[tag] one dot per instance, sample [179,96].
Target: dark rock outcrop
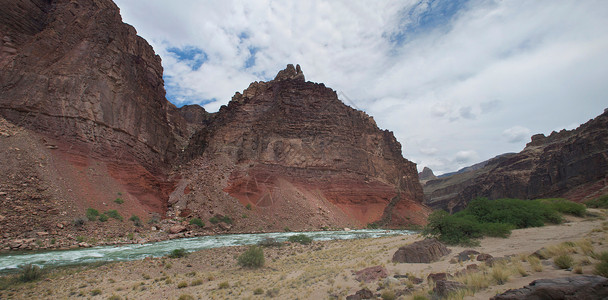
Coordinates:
[361,294]
[576,287]
[371,274]
[426,175]
[425,251]
[570,164]
[444,287]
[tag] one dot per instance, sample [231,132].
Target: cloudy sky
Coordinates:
[458,82]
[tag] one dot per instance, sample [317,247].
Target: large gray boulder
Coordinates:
[577,287]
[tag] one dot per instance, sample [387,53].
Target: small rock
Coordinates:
[371,274]
[390,281]
[2,218]
[466,255]
[361,294]
[444,287]
[42,233]
[484,257]
[347,229]
[177,229]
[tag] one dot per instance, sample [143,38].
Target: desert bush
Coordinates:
[520,213]
[185,297]
[214,220]
[500,273]
[197,221]
[226,219]
[252,258]
[182,284]
[103,218]
[224,285]
[177,253]
[114,297]
[29,273]
[248,206]
[300,238]
[388,295]
[452,229]
[136,220]
[196,282]
[563,261]
[272,292]
[535,263]
[565,206]
[92,214]
[601,268]
[258,291]
[497,229]
[119,201]
[112,213]
[600,202]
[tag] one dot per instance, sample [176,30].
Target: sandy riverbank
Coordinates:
[318,271]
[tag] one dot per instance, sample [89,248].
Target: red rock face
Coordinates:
[296,138]
[570,164]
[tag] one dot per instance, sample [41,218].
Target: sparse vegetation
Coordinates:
[248,206]
[214,220]
[182,284]
[92,214]
[78,222]
[177,253]
[114,214]
[500,273]
[563,261]
[136,220]
[95,292]
[29,273]
[119,201]
[185,297]
[197,221]
[103,218]
[565,206]
[300,238]
[224,285]
[600,202]
[258,291]
[252,258]
[535,264]
[270,242]
[388,295]
[601,268]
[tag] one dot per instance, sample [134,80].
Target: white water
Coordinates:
[12,261]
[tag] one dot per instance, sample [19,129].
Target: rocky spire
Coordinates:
[290,73]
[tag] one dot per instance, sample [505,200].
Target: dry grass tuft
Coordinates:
[535,263]
[500,273]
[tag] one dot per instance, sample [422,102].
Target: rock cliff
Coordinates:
[571,164]
[83,103]
[291,147]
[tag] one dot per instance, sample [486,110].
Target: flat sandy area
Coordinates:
[321,270]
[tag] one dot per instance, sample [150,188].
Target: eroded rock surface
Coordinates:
[576,287]
[425,251]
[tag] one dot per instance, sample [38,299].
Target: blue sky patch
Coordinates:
[195,57]
[250,62]
[425,16]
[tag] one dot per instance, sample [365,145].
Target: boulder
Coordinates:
[484,257]
[177,229]
[445,287]
[438,276]
[361,294]
[425,251]
[371,274]
[466,255]
[575,287]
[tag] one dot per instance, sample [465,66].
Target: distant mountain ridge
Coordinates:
[571,163]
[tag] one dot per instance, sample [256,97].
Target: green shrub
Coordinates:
[182,285]
[214,220]
[136,220]
[103,218]
[252,258]
[520,213]
[300,238]
[563,261]
[248,206]
[79,222]
[29,273]
[224,285]
[452,229]
[373,226]
[92,214]
[177,253]
[197,221]
[196,282]
[600,202]
[286,229]
[226,219]
[497,229]
[119,201]
[114,214]
[565,206]
[258,291]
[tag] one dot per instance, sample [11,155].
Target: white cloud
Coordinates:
[445,75]
[466,156]
[516,134]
